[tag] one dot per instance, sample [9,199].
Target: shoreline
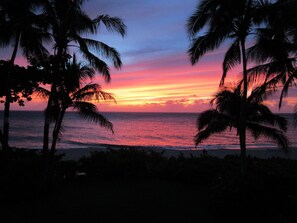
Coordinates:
[263,153]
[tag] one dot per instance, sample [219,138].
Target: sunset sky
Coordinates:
[157,75]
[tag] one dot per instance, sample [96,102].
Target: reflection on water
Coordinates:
[166,130]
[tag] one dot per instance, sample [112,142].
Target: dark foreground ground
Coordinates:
[137,186]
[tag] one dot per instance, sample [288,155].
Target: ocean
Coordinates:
[157,130]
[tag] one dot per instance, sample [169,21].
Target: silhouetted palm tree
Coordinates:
[72,93]
[79,100]
[226,115]
[69,25]
[276,48]
[217,21]
[23,28]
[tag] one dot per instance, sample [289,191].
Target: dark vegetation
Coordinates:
[133,185]
[23,81]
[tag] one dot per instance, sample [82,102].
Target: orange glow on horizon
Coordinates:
[162,87]
[166,85]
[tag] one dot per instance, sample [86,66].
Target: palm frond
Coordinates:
[200,45]
[92,91]
[208,116]
[105,50]
[200,17]
[89,88]
[86,72]
[260,93]
[88,111]
[42,92]
[271,46]
[271,69]
[232,58]
[261,71]
[92,94]
[274,134]
[212,128]
[114,24]
[94,61]
[267,88]
[288,83]
[102,95]
[269,118]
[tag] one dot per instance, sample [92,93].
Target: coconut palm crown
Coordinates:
[261,122]
[70,26]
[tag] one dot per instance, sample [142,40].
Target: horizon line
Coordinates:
[165,112]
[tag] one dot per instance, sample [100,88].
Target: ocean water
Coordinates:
[159,130]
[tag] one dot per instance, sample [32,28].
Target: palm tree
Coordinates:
[78,99]
[276,48]
[72,94]
[22,27]
[69,25]
[216,21]
[226,115]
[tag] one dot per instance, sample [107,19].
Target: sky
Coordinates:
[157,75]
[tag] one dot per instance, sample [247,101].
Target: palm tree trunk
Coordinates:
[49,157]
[5,139]
[6,117]
[49,106]
[243,114]
[45,150]
[47,121]
[46,153]
[57,129]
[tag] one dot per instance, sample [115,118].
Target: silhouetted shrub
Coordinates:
[123,163]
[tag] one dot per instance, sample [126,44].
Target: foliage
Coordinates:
[215,22]
[138,164]
[276,49]
[123,163]
[24,81]
[69,27]
[226,115]
[22,27]
[72,92]
[142,179]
